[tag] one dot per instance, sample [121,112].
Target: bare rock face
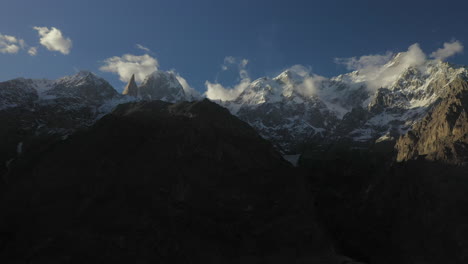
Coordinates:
[443,134]
[131,88]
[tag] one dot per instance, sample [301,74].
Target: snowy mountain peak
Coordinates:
[161,85]
[263,90]
[290,77]
[84,86]
[81,78]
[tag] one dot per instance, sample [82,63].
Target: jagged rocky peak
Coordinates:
[131,89]
[442,134]
[163,86]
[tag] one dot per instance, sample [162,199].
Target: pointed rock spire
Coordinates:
[131,88]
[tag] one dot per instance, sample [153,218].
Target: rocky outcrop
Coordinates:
[443,134]
[131,89]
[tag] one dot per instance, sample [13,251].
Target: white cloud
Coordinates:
[449,49]
[364,62]
[143,48]
[231,61]
[244,63]
[382,70]
[187,88]
[10,44]
[129,64]
[141,66]
[53,40]
[32,51]
[306,84]
[311,85]
[216,91]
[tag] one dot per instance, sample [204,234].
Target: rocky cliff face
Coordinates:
[131,89]
[443,133]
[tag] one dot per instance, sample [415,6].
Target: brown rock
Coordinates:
[131,88]
[443,134]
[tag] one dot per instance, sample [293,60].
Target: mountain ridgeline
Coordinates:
[158,174]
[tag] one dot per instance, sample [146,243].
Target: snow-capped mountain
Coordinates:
[63,105]
[43,110]
[281,112]
[292,109]
[84,87]
[393,109]
[163,86]
[56,108]
[296,107]
[160,85]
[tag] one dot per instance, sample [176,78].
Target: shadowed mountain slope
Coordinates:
[160,182]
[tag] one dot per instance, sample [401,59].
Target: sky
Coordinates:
[225,43]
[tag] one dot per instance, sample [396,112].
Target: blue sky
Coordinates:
[194,37]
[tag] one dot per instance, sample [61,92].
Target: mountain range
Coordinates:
[293,110]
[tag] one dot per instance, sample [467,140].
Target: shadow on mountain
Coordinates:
[379,211]
[159,182]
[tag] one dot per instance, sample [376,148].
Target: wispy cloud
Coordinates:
[32,51]
[139,46]
[449,50]
[10,44]
[382,70]
[54,40]
[366,61]
[309,83]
